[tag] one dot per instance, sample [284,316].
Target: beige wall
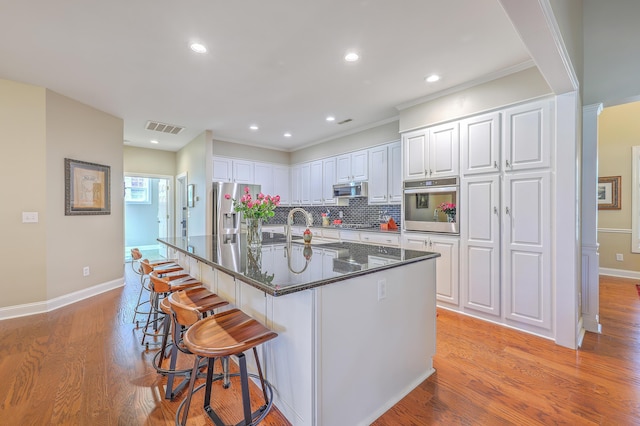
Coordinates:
[249,152]
[192,159]
[367,138]
[149,161]
[45,259]
[23,175]
[618,130]
[517,87]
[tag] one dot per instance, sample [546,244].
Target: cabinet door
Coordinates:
[343,168]
[315,182]
[444,145]
[415,147]
[305,184]
[222,169]
[243,171]
[329,179]
[394,177]
[296,184]
[281,184]
[526,249]
[480,144]
[360,165]
[378,178]
[415,242]
[263,174]
[480,254]
[528,136]
[447,281]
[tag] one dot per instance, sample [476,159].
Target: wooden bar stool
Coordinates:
[228,333]
[162,284]
[143,268]
[187,307]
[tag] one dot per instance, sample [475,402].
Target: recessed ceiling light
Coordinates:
[253,127]
[351,57]
[154,141]
[432,78]
[331,118]
[198,48]
[287,135]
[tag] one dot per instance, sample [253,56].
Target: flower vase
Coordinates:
[254,232]
[451,217]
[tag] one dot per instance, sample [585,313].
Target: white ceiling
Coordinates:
[276,63]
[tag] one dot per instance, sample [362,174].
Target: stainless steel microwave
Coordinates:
[350,190]
[431,206]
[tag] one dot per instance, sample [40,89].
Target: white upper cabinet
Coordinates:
[232,170]
[352,167]
[528,136]
[281,184]
[329,179]
[385,174]
[480,144]
[263,173]
[432,152]
[444,145]
[296,184]
[378,178]
[316,182]
[305,184]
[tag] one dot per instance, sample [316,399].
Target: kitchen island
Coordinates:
[356,322]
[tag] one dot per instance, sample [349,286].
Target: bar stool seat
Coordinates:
[228,333]
[197,300]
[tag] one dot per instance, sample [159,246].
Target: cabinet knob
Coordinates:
[495,210]
[508,163]
[495,164]
[507,211]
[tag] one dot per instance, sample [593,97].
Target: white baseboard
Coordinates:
[58,302]
[619,273]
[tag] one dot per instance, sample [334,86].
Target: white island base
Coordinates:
[348,351]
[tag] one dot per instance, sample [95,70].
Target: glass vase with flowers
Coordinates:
[255,211]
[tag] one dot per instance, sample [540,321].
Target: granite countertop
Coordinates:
[345,227]
[278,269]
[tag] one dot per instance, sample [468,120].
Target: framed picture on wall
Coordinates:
[609,193]
[87,188]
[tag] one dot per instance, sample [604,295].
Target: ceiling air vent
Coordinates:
[348,120]
[163,127]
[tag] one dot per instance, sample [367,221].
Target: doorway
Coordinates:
[182,219]
[147,214]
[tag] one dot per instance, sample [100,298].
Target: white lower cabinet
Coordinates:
[380,239]
[447,265]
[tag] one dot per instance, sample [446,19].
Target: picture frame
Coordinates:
[87,188]
[608,193]
[191,188]
[422,201]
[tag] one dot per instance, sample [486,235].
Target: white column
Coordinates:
[590,261]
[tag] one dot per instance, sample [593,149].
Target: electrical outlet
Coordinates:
[86,271]
[382,289]
[619,257]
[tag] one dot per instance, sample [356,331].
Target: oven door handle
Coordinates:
[431,189]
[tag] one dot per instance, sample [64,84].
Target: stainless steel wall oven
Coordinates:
[431,205]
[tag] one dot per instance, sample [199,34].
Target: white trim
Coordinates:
[620,273]
[615,230]
[635,199]
[58,302]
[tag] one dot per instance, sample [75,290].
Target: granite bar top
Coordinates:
[279,269]
[346,227]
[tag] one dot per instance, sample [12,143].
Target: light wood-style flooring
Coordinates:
[83,365]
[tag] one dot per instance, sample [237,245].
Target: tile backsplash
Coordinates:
[358,211]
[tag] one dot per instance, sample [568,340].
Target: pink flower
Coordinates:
[249,204]
[227,196]
[246,189]
[260,196]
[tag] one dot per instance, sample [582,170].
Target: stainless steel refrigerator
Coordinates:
[225,219]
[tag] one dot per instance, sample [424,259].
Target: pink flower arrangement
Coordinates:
[448,208]
[261,208]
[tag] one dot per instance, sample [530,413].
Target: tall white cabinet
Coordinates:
[505,257]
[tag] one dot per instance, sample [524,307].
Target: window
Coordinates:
[136,190]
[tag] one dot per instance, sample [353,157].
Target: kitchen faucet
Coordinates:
[308,216]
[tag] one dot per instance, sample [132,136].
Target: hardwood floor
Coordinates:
[83,365]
